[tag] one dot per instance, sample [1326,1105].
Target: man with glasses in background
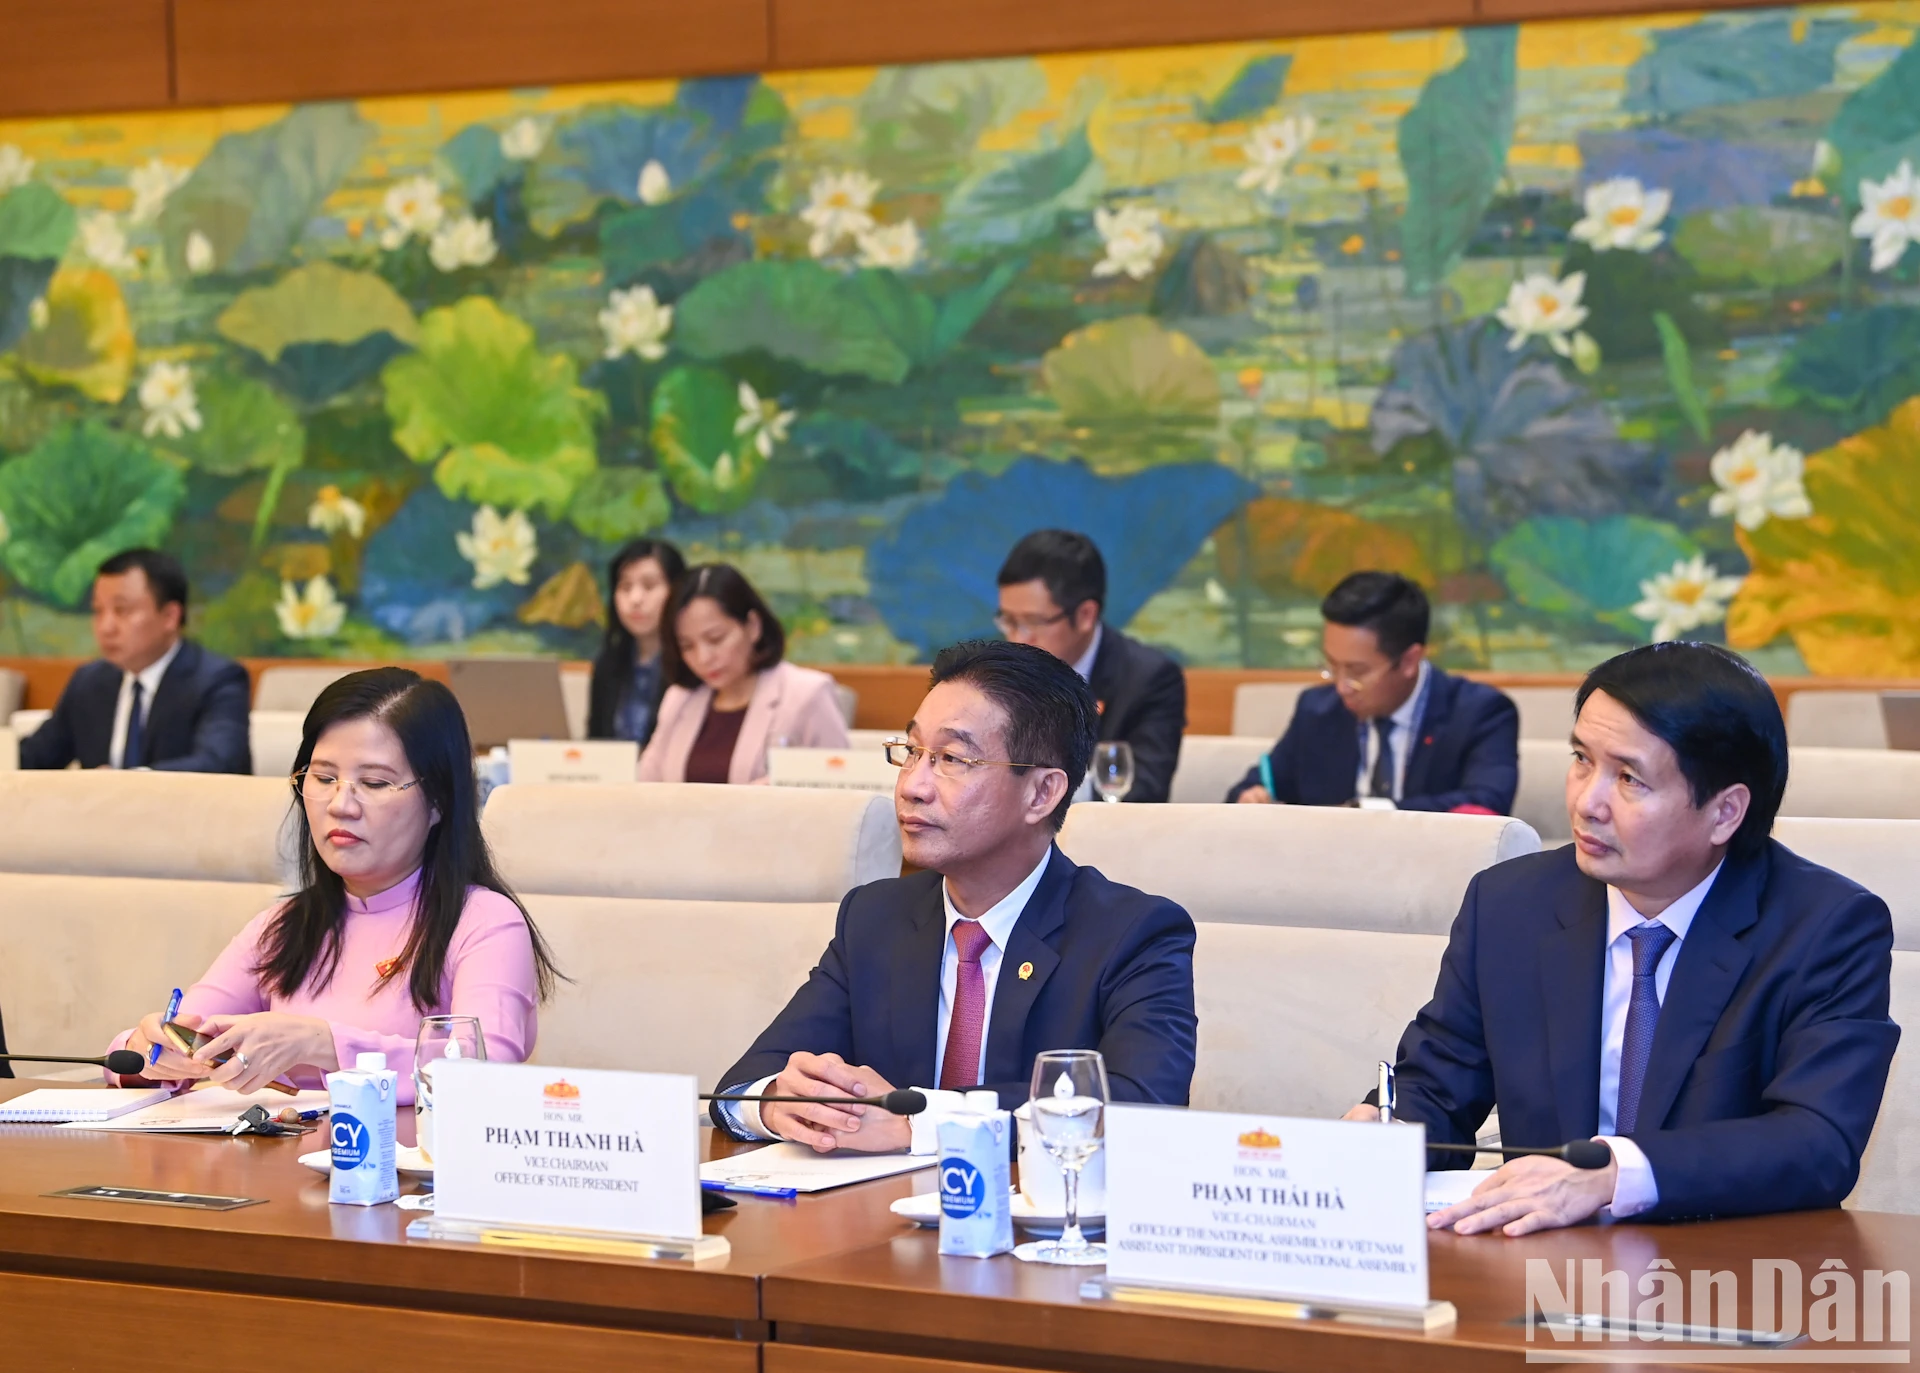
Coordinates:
[1389,729]
[1053,591]
[1001,948]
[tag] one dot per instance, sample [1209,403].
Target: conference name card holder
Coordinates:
[832,769]
[579,1161]
[1270,1217]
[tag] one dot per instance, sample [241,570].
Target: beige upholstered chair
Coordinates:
[1211,763]
[1541,800]
[576,693]
[1853,783]
[1822,718]
[273,736]
[1264,708]
[1545,712]
[293,687]
[9,750]
[13,691]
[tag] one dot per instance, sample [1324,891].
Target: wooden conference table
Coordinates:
[830,1282]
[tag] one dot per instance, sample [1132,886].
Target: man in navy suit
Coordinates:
[1390,729]
[152,699]
[958,976]
[1053,593]
[1675,983]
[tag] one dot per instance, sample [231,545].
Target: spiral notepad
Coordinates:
[52,1106]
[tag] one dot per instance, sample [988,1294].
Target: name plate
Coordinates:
[836,769]
[566,1149]
[1294,1210]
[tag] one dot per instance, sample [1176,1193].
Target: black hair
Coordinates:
[1393,607]
[1716,713]
[727,587]
[1068,563]
[301,945]
[1052,718]
[165,576]
[613,665]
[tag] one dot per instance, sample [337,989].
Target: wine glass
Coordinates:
[441,1036]
[1069,1109]
[1113,769]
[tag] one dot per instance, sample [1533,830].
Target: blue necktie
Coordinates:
[1650,941]
[136,727]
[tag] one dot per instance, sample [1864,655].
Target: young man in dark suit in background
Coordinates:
[1389,727]
[1674,983]
[1000,949]
[1053,590]
[152,699]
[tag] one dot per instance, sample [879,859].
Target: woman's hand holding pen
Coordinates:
[171,1065]
[264,1046]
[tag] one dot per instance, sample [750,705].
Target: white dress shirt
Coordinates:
[149,679]
[1635,1189]
[998,922]
[1084,664]
[1405,721]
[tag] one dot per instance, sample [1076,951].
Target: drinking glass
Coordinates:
[441,1036]
[1113,769]
[1069,1109]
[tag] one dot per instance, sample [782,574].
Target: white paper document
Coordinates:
[51,1105]
[1444,1189]
[799,1167]
[204,1111]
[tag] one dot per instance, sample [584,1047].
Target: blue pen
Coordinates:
[747,1190]
[1266,774]
[173,1009]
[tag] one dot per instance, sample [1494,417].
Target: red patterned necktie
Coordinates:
[960,1066]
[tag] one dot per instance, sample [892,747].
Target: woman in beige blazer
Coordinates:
[730,695]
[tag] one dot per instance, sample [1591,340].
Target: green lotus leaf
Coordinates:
[245,427]
[922,122]
[1859,366]
[318,303]
[252,196]
[712,469]
[1879,124]
[23,280]
[83,494]
[1453,146]
[1022,198]
[1588,570]
[797,311]
[1131,369]
[506,424]
[87,341]
[475,157]
[1768,246]
[35,221]
[619,503]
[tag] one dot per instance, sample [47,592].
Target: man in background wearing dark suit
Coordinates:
[1053,588]
[959,975]
[1390,729]
[1675,983]
[153,699]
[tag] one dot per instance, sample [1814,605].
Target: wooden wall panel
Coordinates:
[71,56]
[1516,11]
[237,51]
[839,33]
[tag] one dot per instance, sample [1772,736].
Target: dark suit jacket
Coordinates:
[1466,751]
[1143,700]
[197,722]
[1112,970]
[1769,1057]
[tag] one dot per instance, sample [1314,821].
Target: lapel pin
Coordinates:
[1026,971]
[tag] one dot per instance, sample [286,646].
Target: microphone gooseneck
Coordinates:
[124,1062]
[902,1101]
[1581,1153]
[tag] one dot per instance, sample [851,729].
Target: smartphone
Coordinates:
[188,1040]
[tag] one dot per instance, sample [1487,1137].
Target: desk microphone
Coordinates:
[1581,1153]
[902,1101]
[123,1062]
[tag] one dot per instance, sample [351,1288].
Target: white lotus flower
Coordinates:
[763,419]
[839,205]
[890,245]
[463,242]
[167,395]
[1692,594]
[1270,148]
[1541,307]
[1621,213]
[523,140]
[39,313]
[1759,479]
[152,184]
[15,167]
[199,253]
[1132,239]
[1889,215]
[333,511]
[103,240]
[655,187]
[412,208]
[636,322]
[501,548]
[315,614]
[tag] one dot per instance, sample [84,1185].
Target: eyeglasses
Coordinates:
[1357,681]
[1011,625]
[952,766]
[320,787]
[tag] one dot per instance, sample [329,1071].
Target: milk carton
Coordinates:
[976,1213]
[364,1098]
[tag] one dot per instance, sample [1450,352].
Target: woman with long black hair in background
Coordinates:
[628,682]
